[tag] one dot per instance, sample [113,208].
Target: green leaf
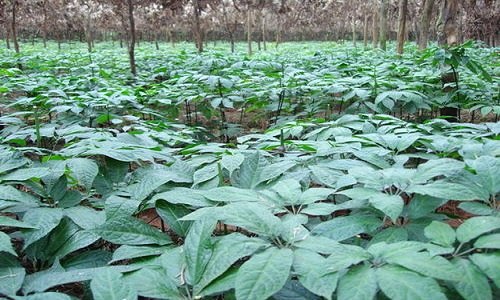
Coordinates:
[11,160]
[391,205]
[476,226]
[130,231]
[171,213]
[198,248]
[252,217]
[153,283]
[473,285]
[227,250]
[130,252]
[264,274]
[440,233]
[84,170]
[232,162]
[10,193]
[491,241]
[85,217]
[11,275]
[10,222]
[44,219]
[489,264]
[342,228]
[183,196]
[5,245]
[309,266]
[25,174]
[359,283]
[423,263]
[44,296]
[445,190]
[343,256]
[42,281]
[437,168]
[398,283]
[108,284]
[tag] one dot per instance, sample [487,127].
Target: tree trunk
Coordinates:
[249,30]
[375,29]
[425,21]
[354,38]
[264,42]
[7,37]
[44,25]
[13,26]
[383,24]
[448,23]
[448,35]
[131,48]
[365,32]
[403,10]
[197,28]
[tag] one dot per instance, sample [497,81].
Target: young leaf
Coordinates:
[198,248]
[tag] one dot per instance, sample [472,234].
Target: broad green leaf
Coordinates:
[10,222]
[108,284]
[11,160]
[130,252]
[25,174]
[294,290]
[11,275]
[44,219]
[5,244]
[152,283]
[130,231]
[390,205]
[437,168]
[390,235]
[44,296]
[232,162]
[342,228]
[230,194]
[473,285]
[309,266]
[84,170]
[263,274]
[343,256]
[476,226]
[85,217]
[400,284]
[423,263]
[227,250]
[183,196]
[198,248]
[387,251]
[171,213]
[489,264]
[42,281]
[491,241]
[223,283]
[10,193]
[440,233]
[445,190]
[359,283]
[252,217]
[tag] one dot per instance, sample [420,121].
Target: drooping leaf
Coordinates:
[473,284]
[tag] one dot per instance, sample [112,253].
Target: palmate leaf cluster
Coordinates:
[356,207]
